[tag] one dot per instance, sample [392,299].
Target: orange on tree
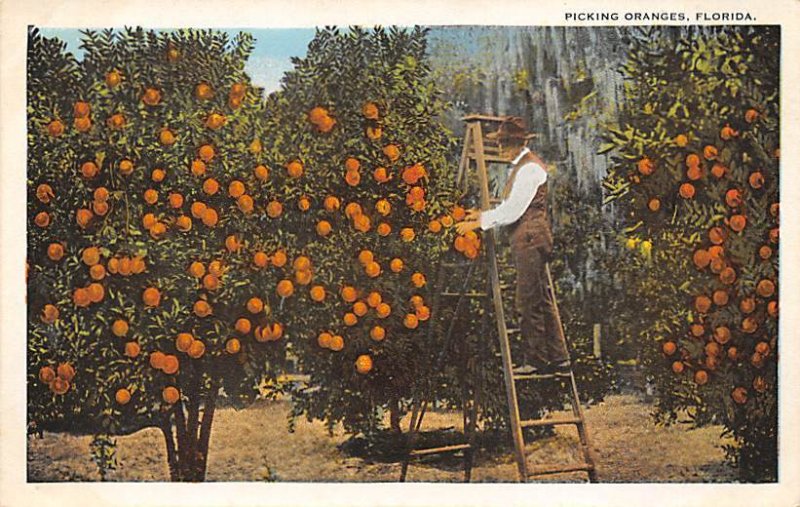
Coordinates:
[377,333]
[243,325]
[285,288]
[324,339]
[363,364]
[255,305]
[122,396]
[170,394]
[171,364]
[197,349]
[120,328]
[317,293]
[294,169]
[50,314]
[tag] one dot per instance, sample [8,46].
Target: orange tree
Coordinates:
[695,183]
[140,308]
[362,174]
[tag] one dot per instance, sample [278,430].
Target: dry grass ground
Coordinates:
[253,445]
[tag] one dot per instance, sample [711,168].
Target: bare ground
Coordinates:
[254,445]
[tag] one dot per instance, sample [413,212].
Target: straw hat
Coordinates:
[512,127]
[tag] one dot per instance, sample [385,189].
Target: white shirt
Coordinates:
[526,183]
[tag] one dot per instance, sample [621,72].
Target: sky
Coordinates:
[269,61]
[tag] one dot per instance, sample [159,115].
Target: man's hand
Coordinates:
[467,225]
[473,214]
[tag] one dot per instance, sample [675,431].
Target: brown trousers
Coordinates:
[535,306]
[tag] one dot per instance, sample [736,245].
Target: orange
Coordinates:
[65,371]
[738,223]
[317,293]
[236,189]
[198,167]
[158,230]
[170,395]
[215,121]
[349,293]
[44,193]
[350,319]
[89,169]
[772,309]
[722,334]
[304,203]
[210,282]
[762,348]
[423,313]
[183,223]
[392,152]
[285,288]
[323,227]
[733,197]
[238,90]
[760,384]
[720,297]
[100,208]
[447,221]
[302,263]
[55,251]
[279,258]
[274,209]
[434,226]
[416,301]
[294,169]
[202,308]
[243,325]
[360,308]
[203,91]
[383,229]
[55,128]
[727,276]
[677,367]
[151,297]
[122,396]
[774,235]
[183,342]
[374,299]
[710,152]
[324,339]
[383,310]
[747,305]
[694,173]
[206,153]
[317,114]
[245,204]
[377,333]
[303,277]
[352,164]
[765,288]
[261,335]
[210,186]
[331,203]
[363,364]
[669,348]
[150,196]
[125,167]
[196,269]
[410,321]
[151,97]
[374,133]
[171,365]
[166,137]
[701,258]
[717,235]
[260,259]
[157,359]
[96,292]
[210,217]
[712,348]
[232,243]
[197,349]
[380,175]
[733,353]
[175,200]
[692,160]
[116,121]
[726,133]
[337,343]
[749,325]
[326,125]
[418,280]
[361,223]
[119,328]
[700,377]
[687,191]
[255,305]
[718,170]
[43,218]
[697,330]
[407,234]
[81,109]
[365,257]
[82,124]
[739,395]
[255,147]
[352,178]
[352,210]
[47,374]
[276,332]
[645,166]
[370,110]
[751,115]
[49,314]
[113,265]
[261,172]
[60,386]
[198,209]
[233,346]
[373,269]
[681,140]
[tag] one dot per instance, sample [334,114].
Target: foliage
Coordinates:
[695,183]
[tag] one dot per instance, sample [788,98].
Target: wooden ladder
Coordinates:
[477,151]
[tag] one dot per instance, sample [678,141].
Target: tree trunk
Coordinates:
[187,436]
[394,416]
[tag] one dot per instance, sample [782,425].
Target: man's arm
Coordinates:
[526,183]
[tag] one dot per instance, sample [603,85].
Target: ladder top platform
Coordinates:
[483,117]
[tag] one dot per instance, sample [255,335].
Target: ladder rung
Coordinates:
[488,157]
[465,294]
[482,117]
[532,423]
[512,330]
[557,469]
[439,450]
[542,376]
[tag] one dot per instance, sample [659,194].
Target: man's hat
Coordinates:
[512,127]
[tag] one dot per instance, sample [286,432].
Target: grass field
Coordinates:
[253,445]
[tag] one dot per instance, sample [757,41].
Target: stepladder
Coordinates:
[477,153]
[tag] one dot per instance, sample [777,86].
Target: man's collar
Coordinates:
[522,153]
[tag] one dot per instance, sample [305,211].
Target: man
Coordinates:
[524,209]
